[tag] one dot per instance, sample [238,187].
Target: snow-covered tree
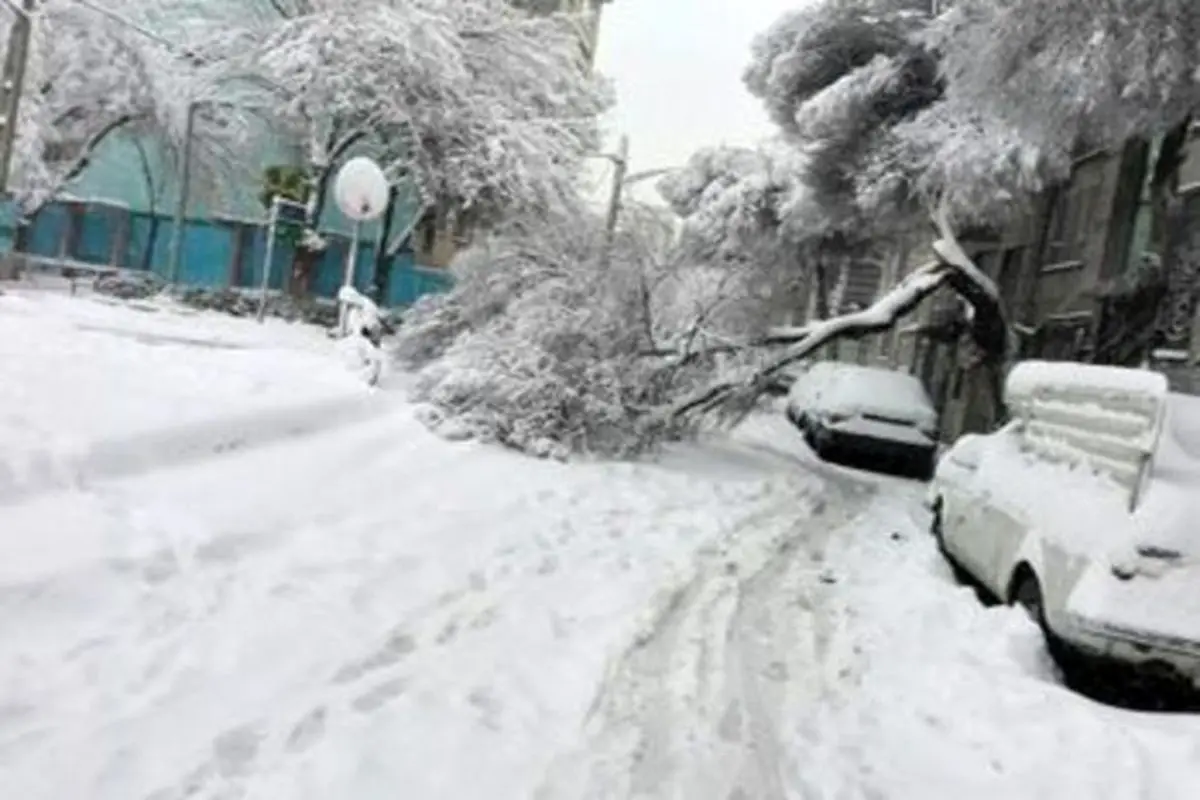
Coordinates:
[486,111]
[90,77]
[1021,88]
[836,77]
[548,345]
[844,79]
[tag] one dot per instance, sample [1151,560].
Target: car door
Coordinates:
[1003,529]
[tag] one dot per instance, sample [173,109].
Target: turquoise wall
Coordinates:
[215,253]
[116,175]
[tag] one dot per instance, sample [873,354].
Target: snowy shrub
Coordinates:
[240,303]
[127,286]
[545,346]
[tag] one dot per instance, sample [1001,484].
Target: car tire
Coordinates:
[1027,593]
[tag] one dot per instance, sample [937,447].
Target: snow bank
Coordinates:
[95,388]
[931,695]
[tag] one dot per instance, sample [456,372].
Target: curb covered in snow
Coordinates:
[24,475]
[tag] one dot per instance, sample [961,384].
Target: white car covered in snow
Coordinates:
[1084,509]
[846,409]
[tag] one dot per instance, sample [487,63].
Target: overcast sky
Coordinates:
[677,65]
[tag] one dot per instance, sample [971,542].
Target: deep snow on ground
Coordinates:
[83,369]
[369,612]
[89,385]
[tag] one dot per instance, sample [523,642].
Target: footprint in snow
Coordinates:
[398,645]
[379,696]
[308,731]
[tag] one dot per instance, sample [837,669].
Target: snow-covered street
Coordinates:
[362,610]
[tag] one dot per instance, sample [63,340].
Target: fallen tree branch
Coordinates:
[880,316]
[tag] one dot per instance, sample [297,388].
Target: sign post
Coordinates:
[282,210]
[361,190]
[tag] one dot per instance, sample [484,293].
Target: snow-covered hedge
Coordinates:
[543,346]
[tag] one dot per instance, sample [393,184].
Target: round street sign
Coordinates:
[361,189]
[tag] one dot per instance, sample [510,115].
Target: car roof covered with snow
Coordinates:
[831,385]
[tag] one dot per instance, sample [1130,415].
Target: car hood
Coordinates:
[1163,603]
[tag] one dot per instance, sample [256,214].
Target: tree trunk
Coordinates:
[821,282]
[303,263]
[383,259]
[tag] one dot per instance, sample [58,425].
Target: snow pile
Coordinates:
[933,696]
[99,387]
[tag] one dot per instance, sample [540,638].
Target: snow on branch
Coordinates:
[880,316]
[954,268]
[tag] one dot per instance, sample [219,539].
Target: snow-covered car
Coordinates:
[846,409]
[1083,509]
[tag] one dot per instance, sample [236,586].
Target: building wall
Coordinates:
[1052,267]
[216,253]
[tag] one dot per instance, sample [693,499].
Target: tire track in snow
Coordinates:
[691,709]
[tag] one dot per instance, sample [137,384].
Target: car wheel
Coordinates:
[1028,595]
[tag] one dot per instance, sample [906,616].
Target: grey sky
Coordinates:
[678,65]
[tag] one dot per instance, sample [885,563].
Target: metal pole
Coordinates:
[620,167]
[12,86]
[181,205]
[348,278]
[268,259]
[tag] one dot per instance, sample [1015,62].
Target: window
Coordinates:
[1072,217]
[1009,279]
[1061,224]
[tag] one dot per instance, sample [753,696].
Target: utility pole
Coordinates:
[620,167]
[12,84]
[175,258]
